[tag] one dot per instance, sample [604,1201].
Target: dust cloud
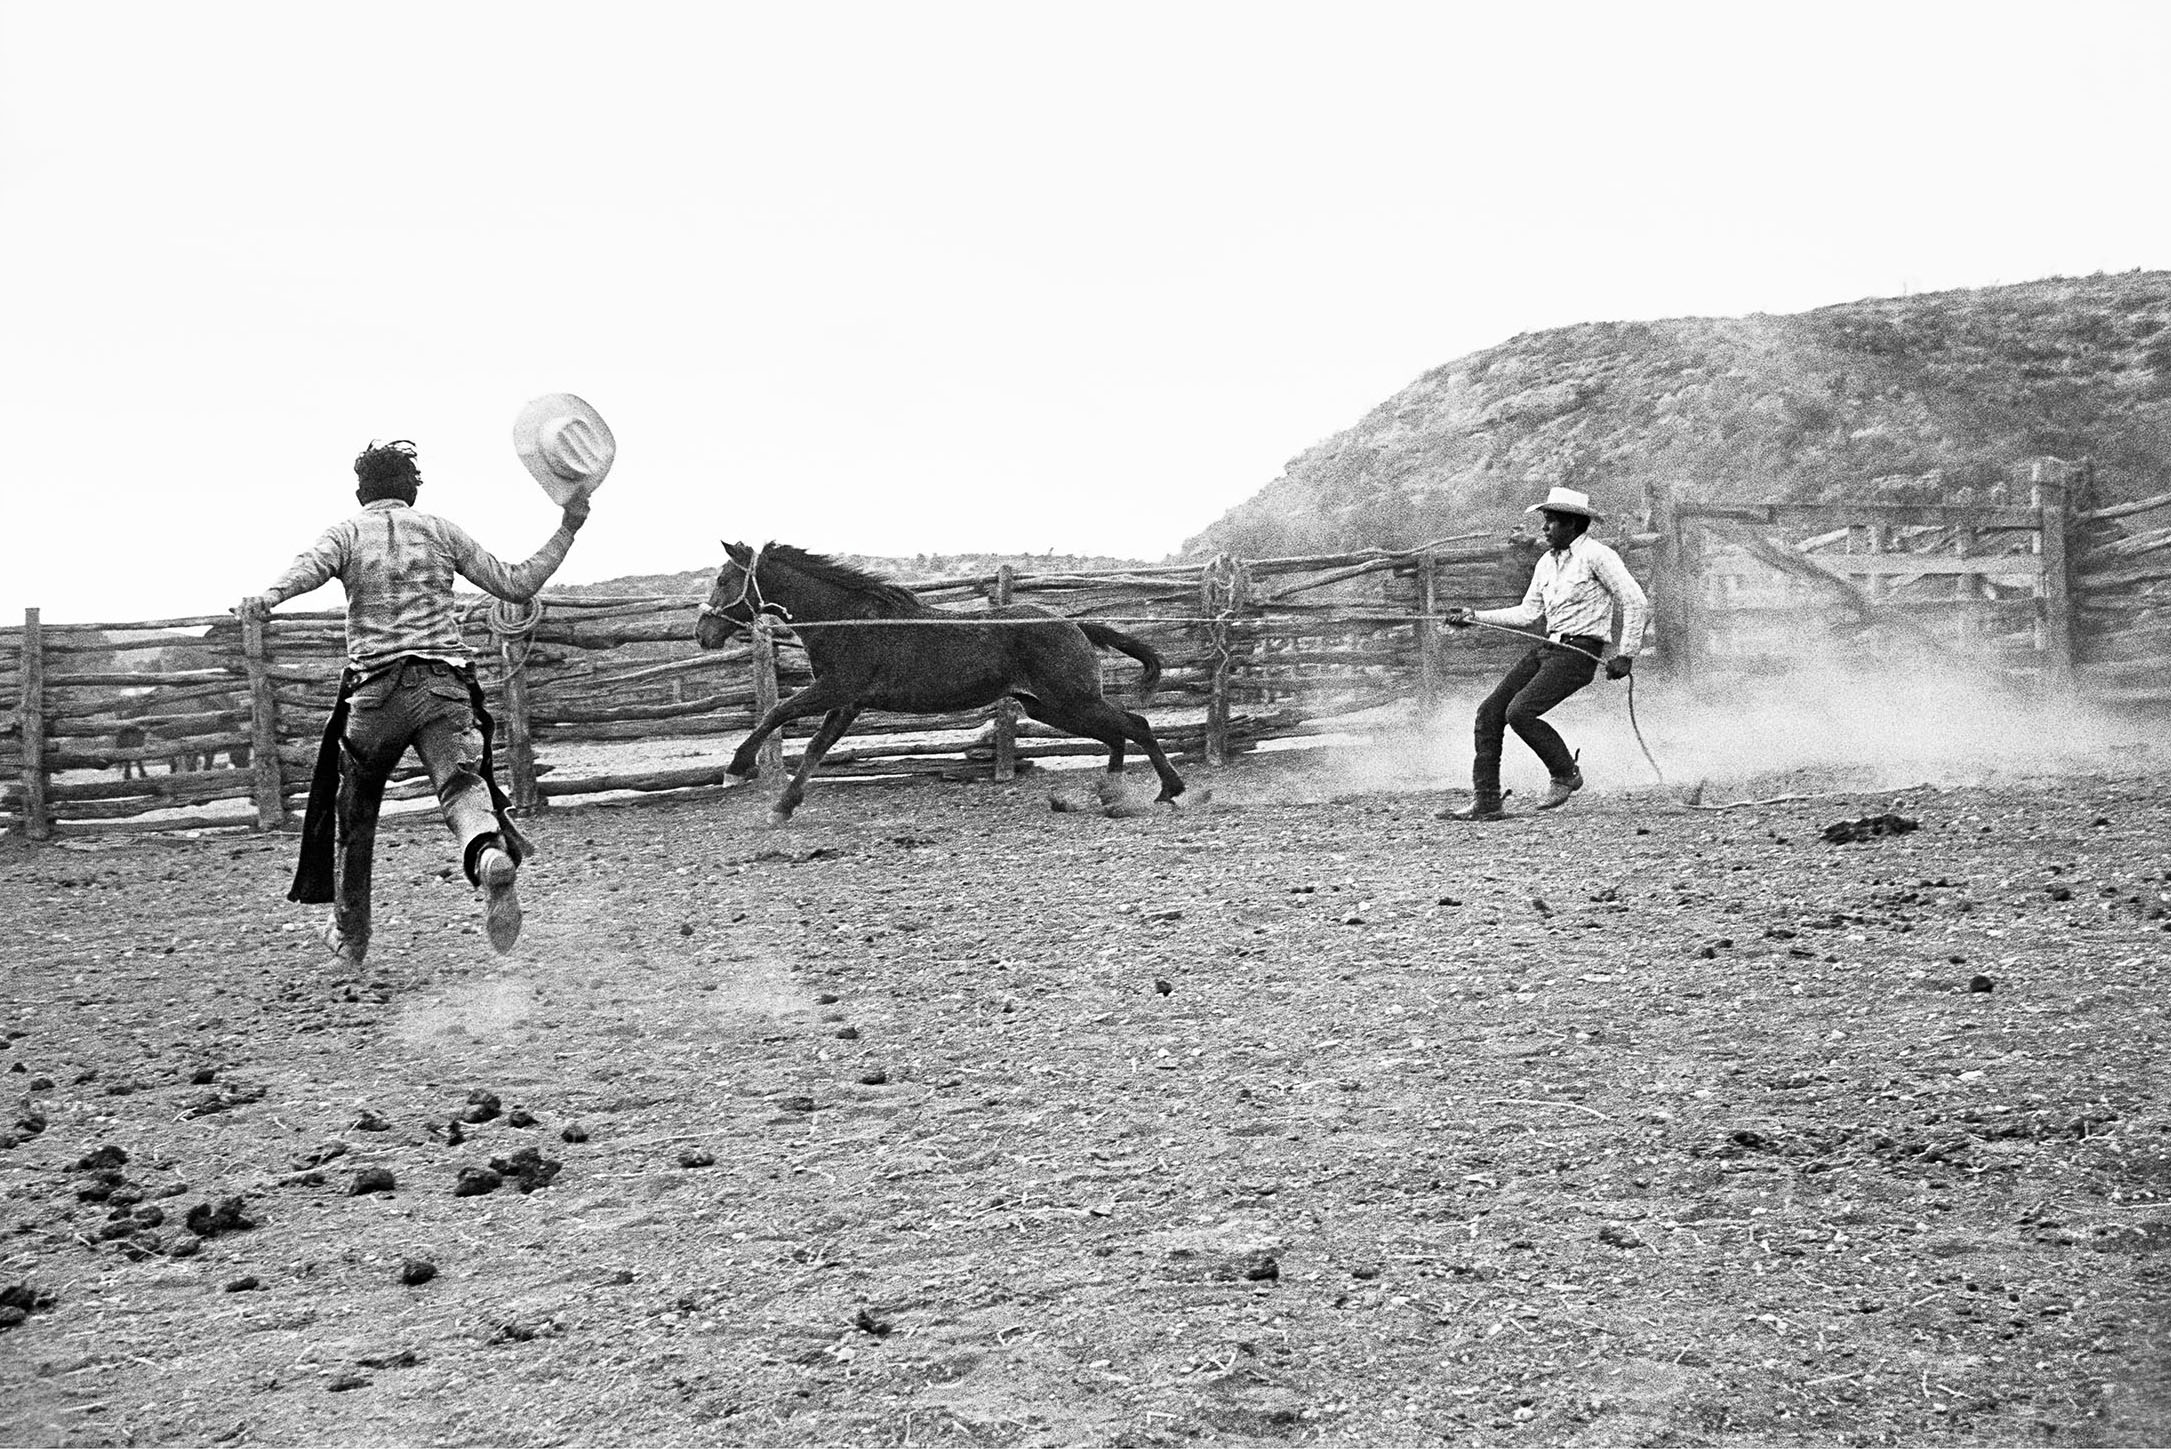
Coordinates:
[1831,725]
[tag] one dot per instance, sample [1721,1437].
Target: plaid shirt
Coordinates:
[398,565]
[1575,589]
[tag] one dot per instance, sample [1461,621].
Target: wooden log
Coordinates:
[519,730]
[2127,510]
[1830,515]
[193,621]
[37,822]
[1217,600]
[2102,670]
[128,808]
[2149,570]
[1400,657]
[730,701]
[138,678]
[563,603]
[265,778]
[107,725]
[694,727]
[644,780]
[1672,604]
[616,633]
[222,784]
[1006,710]
[1890,567]
[1428,634]
[722,662]
[2131,694]
[2125,546]
[2057,584]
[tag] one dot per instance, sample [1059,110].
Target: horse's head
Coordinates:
[734,599]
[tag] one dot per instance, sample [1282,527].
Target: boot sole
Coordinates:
[501,900]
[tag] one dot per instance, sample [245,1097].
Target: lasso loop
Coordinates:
[509,620]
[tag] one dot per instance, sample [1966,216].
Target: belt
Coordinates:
[1594,642]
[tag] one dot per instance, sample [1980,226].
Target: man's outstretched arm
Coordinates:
[310,570]
[517,583]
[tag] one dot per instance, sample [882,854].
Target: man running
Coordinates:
[407,683]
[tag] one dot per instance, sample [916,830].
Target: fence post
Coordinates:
[1226,589]
[37,824]
[1670,602]
[770,758]
[1212,591]
[1428,634]
[267,780]
[2053,522]
[1006,708]
[514,632]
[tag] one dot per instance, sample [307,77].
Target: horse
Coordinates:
[135,736]
[131,737]
[918,667]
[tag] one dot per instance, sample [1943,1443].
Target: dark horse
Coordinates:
[918,668]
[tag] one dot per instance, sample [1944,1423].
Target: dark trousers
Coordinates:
[423,704]
[1535,683]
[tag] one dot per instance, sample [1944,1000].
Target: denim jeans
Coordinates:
[1535,683]
[423,704]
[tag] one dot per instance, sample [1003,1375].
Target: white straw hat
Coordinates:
[1567,500]
[565,444]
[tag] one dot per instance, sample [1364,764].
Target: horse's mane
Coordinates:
[877,591]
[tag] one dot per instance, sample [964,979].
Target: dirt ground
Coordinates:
[943,1117]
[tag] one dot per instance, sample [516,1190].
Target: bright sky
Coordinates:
[889,278]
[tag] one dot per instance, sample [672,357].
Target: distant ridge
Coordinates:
[1901,397]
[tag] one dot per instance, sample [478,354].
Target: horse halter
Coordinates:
[749,594]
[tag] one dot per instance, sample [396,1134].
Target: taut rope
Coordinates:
[749,590]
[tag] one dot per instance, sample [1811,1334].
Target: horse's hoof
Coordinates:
[778,819]
[733,782]
[1189,800]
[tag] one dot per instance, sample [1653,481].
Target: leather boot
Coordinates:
[1482,806]
[1562,786]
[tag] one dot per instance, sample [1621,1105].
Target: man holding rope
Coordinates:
[1575,587]
[407,683]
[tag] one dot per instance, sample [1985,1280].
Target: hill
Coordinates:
[1901,397]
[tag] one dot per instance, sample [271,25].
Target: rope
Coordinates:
[1200,621]
[514,620]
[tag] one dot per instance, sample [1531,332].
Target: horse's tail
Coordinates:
[1101,636]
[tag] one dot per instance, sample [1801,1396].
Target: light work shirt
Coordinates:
[1574,590]
[398,565]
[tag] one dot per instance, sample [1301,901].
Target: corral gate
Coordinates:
[1750,588]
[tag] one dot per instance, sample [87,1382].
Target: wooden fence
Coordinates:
[203,720]
[177,722]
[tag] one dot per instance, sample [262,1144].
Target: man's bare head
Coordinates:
[387,470]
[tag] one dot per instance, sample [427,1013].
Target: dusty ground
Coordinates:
[942,1117]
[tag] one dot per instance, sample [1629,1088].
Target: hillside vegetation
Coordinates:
[1900,397]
